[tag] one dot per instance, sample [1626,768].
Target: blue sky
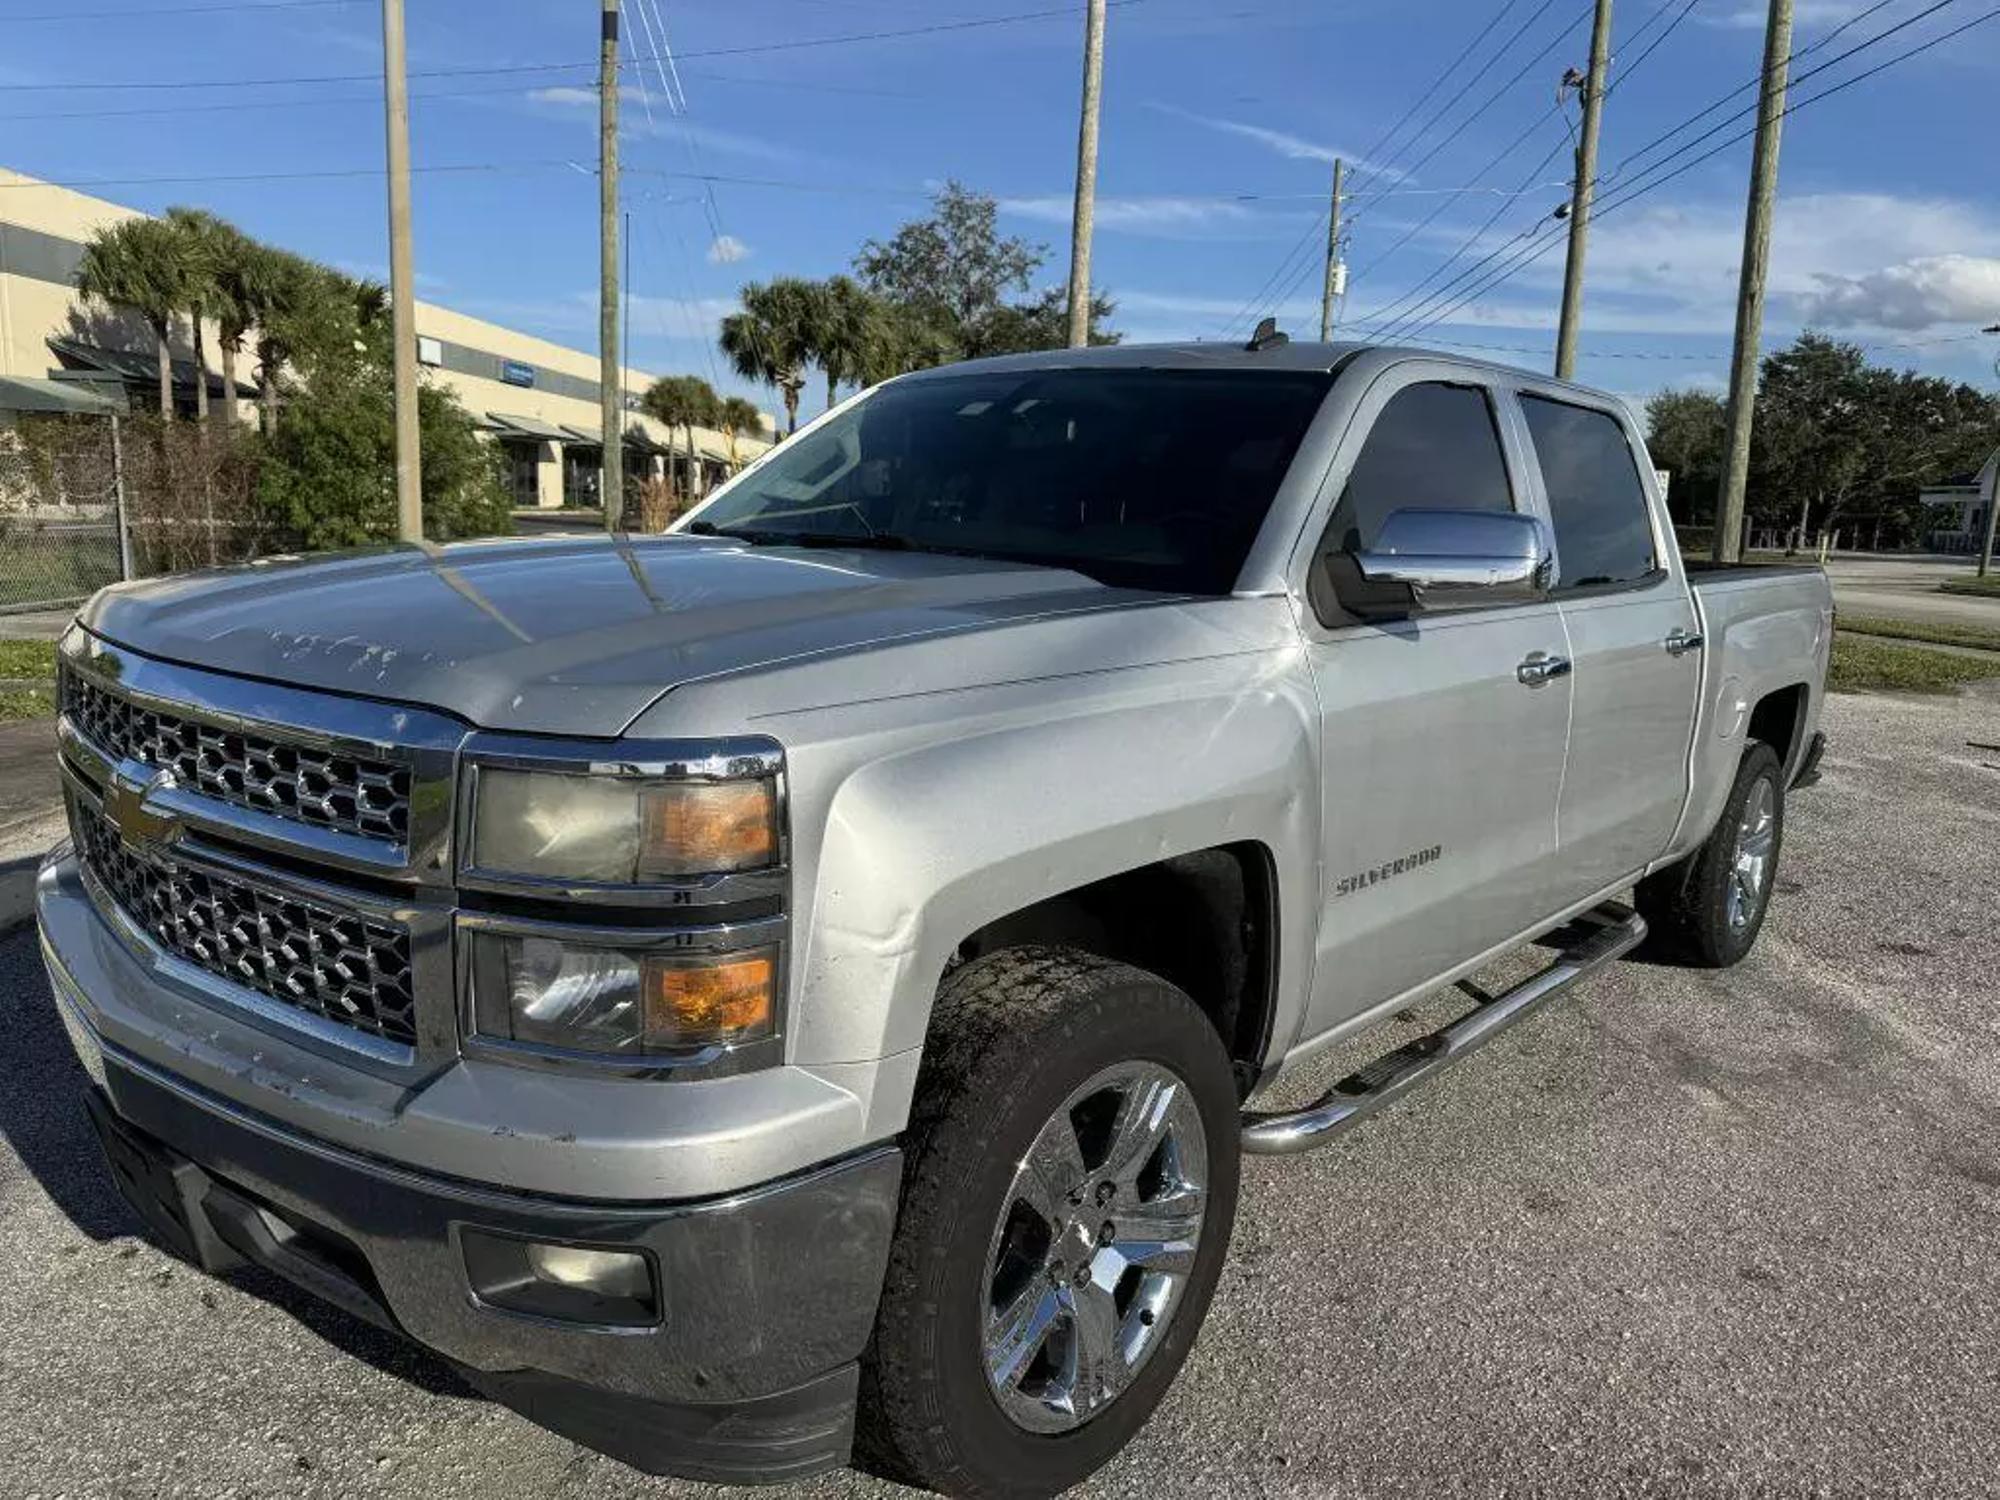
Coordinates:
[1220,121]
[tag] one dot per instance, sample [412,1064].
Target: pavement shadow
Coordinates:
[42,1118]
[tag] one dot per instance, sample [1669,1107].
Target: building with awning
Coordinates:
[537,400]
[26,393]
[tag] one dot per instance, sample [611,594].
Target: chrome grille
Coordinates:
[347,793]
[348,968]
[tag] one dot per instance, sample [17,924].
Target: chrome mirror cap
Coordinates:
[1454,557]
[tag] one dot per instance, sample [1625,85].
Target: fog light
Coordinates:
[573,1283]
[608,1273]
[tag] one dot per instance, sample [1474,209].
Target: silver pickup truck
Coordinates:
[797,989]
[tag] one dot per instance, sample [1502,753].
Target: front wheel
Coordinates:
[1708,908]
[1070,1187]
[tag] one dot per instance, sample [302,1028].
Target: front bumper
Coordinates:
[766,1294]
[767,1297]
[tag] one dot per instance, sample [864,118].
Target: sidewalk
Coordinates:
[31,817]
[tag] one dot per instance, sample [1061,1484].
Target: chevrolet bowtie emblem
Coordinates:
[138,817]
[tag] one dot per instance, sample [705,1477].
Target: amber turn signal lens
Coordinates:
[724,1001]
[702,828]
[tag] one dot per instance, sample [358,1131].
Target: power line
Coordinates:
[1412,320]
[236,6]
[1634,192]
[1298,275]
[1473,238]
[1367,161]
[1368,169]
[794,45]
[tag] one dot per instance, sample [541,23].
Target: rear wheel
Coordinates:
[1708,908]
[1070,1188]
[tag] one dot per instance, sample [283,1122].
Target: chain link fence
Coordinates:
[87,501]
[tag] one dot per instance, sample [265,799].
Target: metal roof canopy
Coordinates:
[528,427]
[138,369]
[27,393]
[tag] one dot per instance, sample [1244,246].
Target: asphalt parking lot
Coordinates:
[1729,1234]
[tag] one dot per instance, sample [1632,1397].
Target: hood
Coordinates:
[573,636]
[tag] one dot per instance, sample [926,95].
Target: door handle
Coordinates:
[1541,668]
[1679,642]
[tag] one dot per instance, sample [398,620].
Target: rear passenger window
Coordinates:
[1433,447]
[1604,531]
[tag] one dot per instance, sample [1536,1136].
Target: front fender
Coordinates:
[1036,789]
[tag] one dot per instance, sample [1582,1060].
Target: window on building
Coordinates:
[1433,447]
[583,470]
[1603,526]
[523,472]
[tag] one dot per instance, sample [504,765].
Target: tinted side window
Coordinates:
[1433,447]
[1604,531]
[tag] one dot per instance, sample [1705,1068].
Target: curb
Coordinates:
[21,849]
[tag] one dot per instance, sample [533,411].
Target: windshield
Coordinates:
[1153,479]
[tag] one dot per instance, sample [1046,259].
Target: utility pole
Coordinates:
[1728,543]
[1086,176]
[1580,191]
[610,374]
[1335,272]
[402,299]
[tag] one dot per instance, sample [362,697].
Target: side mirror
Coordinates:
[1437,559]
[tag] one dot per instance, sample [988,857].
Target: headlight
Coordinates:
[590,998]
[620,830]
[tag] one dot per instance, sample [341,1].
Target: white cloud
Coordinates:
[1137,215]
[1283,142]
[1852,260]
[1807,15]
[634,121]
[1911,296]
[727,250]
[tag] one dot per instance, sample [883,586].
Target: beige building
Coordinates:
[538,401]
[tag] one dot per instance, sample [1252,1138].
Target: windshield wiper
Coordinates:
[753,537]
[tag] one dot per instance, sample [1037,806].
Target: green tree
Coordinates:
[771,339]
[1684,432]
[288,298]
[843,327]
[327,474]
[141,264]
[686,402]
[202,237]
[230,260]
[956,274]
[736,415]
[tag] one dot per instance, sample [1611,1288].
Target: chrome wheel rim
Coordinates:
[1750,872]
[1090,1256]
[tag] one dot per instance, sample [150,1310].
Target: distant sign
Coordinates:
[429,350]
[514,372]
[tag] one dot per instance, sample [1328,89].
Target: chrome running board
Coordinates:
[1613,930]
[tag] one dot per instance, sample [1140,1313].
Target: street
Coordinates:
[1906,588]
[1720,1234]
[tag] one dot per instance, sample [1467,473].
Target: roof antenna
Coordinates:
[1267,337]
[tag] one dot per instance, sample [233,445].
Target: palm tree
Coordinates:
[843,326]
[233,286]
[685,401]
[282,293]
[771,339]
[201,234]
[140,264]
[737,415]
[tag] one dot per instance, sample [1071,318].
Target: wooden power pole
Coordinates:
[1086,176]
[1728,544]
[610,376]
[1329,289]
[1581,190]
[402,299]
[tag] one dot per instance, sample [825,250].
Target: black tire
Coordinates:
[1687,906]
[1013,1036]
